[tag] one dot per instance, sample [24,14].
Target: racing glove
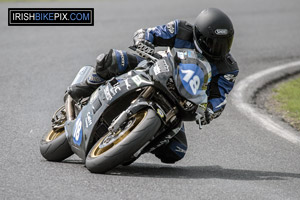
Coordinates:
[204,115]
[209,115]
[200,115]
[141,43]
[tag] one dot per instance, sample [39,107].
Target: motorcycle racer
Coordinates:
[211,36]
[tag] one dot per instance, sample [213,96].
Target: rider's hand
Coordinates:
[200,115]
[139,36]
[204,115]
[201,120]
[141,43]
[209,115]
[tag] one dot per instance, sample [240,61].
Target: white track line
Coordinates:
[240,101]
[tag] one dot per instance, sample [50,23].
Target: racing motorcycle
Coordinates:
[131,114]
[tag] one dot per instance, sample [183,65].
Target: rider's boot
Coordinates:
[86,87]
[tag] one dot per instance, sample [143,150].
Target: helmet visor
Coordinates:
[213,46]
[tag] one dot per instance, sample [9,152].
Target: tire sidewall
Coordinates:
[122,151]
[55,150]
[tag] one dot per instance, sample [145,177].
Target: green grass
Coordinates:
[288,96]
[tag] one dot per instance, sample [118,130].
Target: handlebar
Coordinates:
[143,50]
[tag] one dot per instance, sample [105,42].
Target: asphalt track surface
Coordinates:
[233,158]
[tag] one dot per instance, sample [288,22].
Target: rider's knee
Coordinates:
[175,150]
[114,63]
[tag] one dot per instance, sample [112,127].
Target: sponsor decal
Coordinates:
[159,68]
[156,69]
[122,58]
[180,150]
[95,79]
[160,113]
[182,54]
[107,93]
[138,80]
[171,27]
[77,133]
[114,90]
[51,16]
[127,84]
[193,54]
[221,31]
[230,77]
[88,120]
[110,92]
[162,142]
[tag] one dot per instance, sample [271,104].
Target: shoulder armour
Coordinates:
[185,31]
[226,65]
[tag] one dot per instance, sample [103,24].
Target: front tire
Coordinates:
[112,150]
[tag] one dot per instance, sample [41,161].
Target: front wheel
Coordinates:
[113,149]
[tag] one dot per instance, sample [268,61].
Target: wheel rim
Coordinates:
[54,134]
[110,140]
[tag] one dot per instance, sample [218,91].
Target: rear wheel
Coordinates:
[113,149]
[54,145]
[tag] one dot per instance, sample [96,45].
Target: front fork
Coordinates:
[69,105]
[169,119]
[140,103]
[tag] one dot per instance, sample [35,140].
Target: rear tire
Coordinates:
[111,151]
[54,146]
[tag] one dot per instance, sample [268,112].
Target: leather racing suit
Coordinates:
[178,34]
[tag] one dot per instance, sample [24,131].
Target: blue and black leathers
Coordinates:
[178,34]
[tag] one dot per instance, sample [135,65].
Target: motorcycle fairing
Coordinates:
[80,131]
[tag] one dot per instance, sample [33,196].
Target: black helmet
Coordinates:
[213,33]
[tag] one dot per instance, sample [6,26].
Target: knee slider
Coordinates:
[171,152]
[100,60]
[101,66]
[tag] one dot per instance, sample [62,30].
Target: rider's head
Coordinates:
[213,33]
